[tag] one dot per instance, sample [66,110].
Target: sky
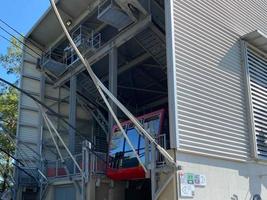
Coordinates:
[21,15]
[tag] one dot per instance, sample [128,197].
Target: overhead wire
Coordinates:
[5,131]
[58,115]
[104,91]
[52,111]
[12,35]
[24,50]
[21,35]
[26,39]
[20,151]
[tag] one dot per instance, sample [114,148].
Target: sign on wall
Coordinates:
[188,183]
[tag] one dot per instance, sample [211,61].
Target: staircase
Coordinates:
[152,41]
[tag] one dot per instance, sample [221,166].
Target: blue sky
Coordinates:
[21,15]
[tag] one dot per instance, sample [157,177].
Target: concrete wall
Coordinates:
[226,179]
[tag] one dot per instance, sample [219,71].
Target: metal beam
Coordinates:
[129,65]
[87,13]
[143,90]
[113,80]
[72,112]
[155,80]
[171,74]
[41,130]
[117,41]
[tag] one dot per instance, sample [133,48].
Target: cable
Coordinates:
[52,111]
[19,40]
[25,172]
[104,91]
[1,149]
[13,141]
[26,39]
[9,26]
[23,50]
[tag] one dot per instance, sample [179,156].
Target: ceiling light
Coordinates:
[69,22]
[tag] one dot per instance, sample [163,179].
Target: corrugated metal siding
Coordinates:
[257,69]
[210,83]
[29,134]
[28,120]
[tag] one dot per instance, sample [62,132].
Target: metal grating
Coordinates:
[257,68]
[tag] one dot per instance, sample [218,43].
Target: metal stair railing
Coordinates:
[153,44]
[55,169]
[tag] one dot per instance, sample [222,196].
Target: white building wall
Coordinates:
[213,130]
[28,120]
[29,124]
[212,110]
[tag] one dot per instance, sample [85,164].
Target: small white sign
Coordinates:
[187,188]
[188,182]
[200,180]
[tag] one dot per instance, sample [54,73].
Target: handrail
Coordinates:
[55,168]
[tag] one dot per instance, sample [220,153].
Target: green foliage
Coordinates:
[11,61]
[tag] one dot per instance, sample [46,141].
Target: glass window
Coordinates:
[117,143]
[152,125]
[133,137]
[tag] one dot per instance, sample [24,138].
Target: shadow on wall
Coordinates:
[255,173]
[236,175]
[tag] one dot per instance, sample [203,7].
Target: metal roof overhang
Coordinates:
[257,39]
[47,29]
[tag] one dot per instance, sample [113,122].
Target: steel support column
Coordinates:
[41,125]
[113,79]
[72,112]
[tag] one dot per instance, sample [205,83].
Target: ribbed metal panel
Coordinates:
[257,69]
[29,117]
[210,79]
[31,85]
[29,134]
[31,70]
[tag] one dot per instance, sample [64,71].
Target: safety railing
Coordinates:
[86,40]
[57,168]
[162,141]
[28,176]
[50,55]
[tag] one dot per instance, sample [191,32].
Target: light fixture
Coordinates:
[68,23]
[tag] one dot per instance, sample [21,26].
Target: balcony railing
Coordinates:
[56,169]
[86,41]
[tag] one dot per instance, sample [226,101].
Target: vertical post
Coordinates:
[171,74]
[153,169]
[40,141]
[86,170]
[72,112]
[113,73]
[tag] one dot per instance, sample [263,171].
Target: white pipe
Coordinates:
[95,80]
[100,86]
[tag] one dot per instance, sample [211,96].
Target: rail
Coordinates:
[57,169]
[162,141]
[25,179]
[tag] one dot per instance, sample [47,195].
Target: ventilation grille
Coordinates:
[258,85]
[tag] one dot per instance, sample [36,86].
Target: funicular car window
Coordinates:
[117,142]
[120,149]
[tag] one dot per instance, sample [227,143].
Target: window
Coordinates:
[256,64]
[121,154]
